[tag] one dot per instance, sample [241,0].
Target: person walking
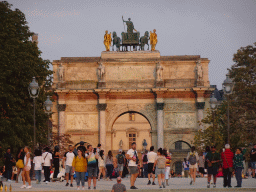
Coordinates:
[132,156]
[91,156]
[67,161]
[27,166]
[118,187]
[19,163]
[253,160]
[213,158]
[193,158]
[120,162]
[238,165]
[101,165]
[9,161]
[167,166]
[227,159]
[151,160]
[38,160]
[79,165]
[185,165]
[159,165]
[56,162]
[144,160]
[109,165]
[47,159]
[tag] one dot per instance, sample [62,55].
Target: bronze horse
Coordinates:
[144,41]
[116,42]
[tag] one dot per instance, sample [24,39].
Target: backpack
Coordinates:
[120,159]
[192,159]
[145,158]
[161,163]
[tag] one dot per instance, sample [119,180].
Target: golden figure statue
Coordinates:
[153,40]
[107,40]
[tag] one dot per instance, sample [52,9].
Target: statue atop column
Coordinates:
[101,72]
[153,40]
[61,73]
[107,40]
[199,70]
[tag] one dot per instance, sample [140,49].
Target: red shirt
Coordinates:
[229,156]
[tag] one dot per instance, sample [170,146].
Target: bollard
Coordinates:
[5,188]
[10,189]
[1,188]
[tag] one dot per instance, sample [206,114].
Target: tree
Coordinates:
[243,108]
[20,60]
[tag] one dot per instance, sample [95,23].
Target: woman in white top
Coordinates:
[102,165]
[38,160]
[26,170]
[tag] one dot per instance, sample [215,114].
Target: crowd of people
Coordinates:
[82,162]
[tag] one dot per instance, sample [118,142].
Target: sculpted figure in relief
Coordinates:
[159,72]
[101,72]
[61,73]
[199,70]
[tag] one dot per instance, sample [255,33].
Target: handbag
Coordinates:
[20,164]
[229,168]
[44,159]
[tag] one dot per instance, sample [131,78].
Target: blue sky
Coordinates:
[214,29]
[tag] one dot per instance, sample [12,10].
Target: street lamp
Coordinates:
[227,86]
[48,111]
[144,144]
[213,105]
[33,90]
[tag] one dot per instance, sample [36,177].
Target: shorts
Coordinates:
[193,166]
[150,168]
[160,171]
[201,170]
[167,172]
[212,170]
[133,169]
[68,169]
[253,164]
[120,167]
[92,171]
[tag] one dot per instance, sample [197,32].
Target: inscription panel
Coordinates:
[81,73]
[176,120]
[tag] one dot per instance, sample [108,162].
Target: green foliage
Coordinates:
[20,60]
[242,106]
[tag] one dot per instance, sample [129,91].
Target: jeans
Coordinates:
[46,173]
[9,173]
[38,175]
[238,171]
[80,177]
[109,170]
[227,177]
[145,167]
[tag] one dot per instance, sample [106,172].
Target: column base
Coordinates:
[159,83]
[101,84]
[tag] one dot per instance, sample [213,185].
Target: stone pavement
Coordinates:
[175,184]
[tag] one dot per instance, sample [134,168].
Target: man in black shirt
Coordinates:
[253,159]
[8,163]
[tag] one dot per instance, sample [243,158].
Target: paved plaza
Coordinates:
[175,184]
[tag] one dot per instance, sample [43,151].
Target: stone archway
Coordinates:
[126,130]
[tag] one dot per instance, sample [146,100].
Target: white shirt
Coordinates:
[47,157]
[69,158]
[25,161]
[152,157]
[38,160]
[130,152]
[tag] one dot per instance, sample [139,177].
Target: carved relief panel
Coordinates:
[175,120]
[78,121]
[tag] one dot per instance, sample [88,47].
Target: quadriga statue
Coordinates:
[116,42]
[144,41]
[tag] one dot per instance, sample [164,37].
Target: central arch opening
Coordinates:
[129,127]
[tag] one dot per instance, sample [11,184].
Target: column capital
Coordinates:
[102,106]
[200,105]
[159,106]
[61,107]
